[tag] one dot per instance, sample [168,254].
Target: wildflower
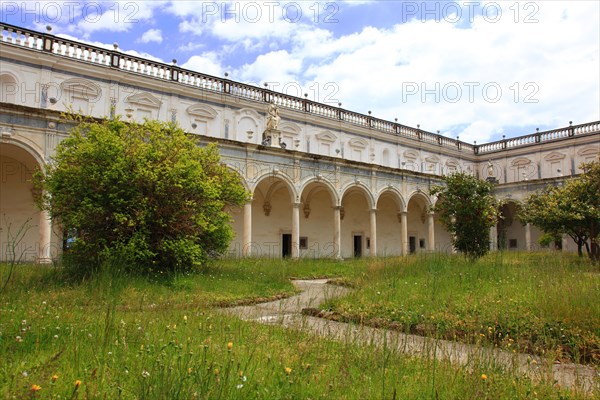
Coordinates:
[35,388]
[145,374]
[54,378]
[55,336]
[216,371]
[24,322]
[288,370]
[483,377]
[229,346]
[25,374]
[77,383]
[19,339]
[239,386]
[185,318]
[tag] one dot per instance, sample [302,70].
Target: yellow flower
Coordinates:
[484,377]
[77,383]
[229,346]
[216,371]
[288,370]
[54,378]
[35,388]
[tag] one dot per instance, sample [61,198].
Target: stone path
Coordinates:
[288,313]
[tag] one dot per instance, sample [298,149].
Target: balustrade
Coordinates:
[33,40]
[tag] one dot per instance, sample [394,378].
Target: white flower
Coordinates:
[240,386]
[145,374]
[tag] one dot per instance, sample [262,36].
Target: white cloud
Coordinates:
[519,74]
[152,35]
[207,63]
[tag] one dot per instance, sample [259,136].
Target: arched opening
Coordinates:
[418,223]
[24,233]
[317,222]
[511,235]
[272,219]
[355,223]
[389,232]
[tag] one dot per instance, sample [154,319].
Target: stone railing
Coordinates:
[46,42]
[539,137]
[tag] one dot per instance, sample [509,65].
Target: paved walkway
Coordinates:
[288,313]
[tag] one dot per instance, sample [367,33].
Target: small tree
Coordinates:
[146,194]
[572,209]
[468,211]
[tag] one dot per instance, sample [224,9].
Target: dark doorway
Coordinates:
[286,245]
[412,244]
[357,246]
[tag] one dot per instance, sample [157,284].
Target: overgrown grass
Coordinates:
[126,338]
[546,303]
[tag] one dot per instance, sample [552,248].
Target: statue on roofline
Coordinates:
[273,117]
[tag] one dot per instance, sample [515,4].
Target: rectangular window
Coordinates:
[303,243]
[512,243]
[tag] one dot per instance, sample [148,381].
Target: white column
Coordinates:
[430,232]
[373,233]
[296,230]
[494,238]
[404,232]
[45,233]
[528,244]
[247,235]
[337,228]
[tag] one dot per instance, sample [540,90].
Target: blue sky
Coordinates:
[474,69]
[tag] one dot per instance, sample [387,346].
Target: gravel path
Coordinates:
[288,313]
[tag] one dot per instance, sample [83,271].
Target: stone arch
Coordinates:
[317,219]
[418,208]
[18,162]
[356,205]
[359,185]
[419,194]
[397,195]
[330,188]
[273,197]
[510,231]
[390,205]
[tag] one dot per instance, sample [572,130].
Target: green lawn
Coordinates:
[547,304]
[157,338]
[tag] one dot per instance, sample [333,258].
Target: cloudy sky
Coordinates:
[474,69]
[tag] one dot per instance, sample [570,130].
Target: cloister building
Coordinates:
[340,184]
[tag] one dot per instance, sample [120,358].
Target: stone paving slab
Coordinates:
[288,313]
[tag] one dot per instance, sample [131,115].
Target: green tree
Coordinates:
[572,209]
[468,211]
[145,194]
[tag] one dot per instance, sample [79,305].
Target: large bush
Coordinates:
[468,210]
[146,195]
